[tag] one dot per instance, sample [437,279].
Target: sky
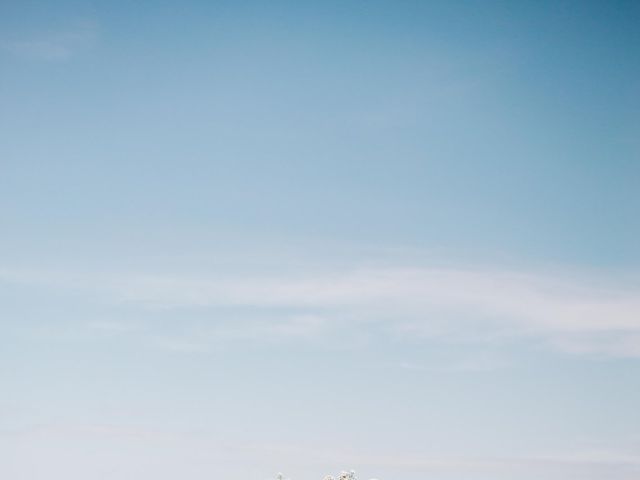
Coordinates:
[239,238]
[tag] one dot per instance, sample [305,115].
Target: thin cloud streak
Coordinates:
[574,315]
[58,46]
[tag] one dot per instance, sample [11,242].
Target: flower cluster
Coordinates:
[351,475]
[344,475]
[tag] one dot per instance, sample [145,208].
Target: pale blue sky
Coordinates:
[248,237]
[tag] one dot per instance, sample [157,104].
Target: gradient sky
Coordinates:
[238,238]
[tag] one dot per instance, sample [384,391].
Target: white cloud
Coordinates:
[55,46]
[574,314]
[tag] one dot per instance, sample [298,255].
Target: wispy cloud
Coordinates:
[477,363]
[58,46]
[580,315]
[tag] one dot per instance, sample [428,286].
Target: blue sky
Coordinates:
[248,237]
